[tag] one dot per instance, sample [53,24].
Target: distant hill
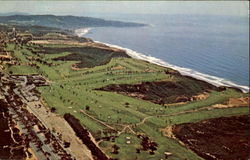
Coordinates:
[65,22]
[13,13]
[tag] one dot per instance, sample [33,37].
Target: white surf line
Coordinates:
[184,71]
[82,31]
[217,81]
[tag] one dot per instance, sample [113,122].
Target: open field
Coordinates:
[119,123]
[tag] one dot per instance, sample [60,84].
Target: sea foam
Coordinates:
[184,71]
[82,31]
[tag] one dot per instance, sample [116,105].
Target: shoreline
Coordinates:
[82,31]
[216,81]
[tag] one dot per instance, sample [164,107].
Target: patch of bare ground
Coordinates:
[66,42]
[224,138]
[168,132]
[233,102]
[75,68]
[63,129]
[33,157]
[201,96]
[119,67]
[84,135]
[77,43]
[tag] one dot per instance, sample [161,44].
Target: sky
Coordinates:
[86,8]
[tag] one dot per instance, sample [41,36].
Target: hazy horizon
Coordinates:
[99,8]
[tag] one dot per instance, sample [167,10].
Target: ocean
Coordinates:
[210,48]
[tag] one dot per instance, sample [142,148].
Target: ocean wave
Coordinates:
[82,31]
[184,71]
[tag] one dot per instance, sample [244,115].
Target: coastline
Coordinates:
[135,114]
[216,81]
[82,31]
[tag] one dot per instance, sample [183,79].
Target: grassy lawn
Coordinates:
[22,70]
[72,91]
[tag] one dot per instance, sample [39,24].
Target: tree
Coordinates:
[53,109]
[138,150]
[87,108]
[66,144]
[115,149]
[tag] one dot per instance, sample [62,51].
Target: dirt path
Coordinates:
[51,120]
[124,129]
[103,123]
[108,126]
[216,106]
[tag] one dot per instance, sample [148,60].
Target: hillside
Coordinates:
[65,22]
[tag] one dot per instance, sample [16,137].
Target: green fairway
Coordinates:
[108,114]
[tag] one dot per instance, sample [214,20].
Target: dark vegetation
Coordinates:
[164,92]
[6,140]
[34,30]
[66,22]
[147,144]
[88,56]
[115,149]
[84,136]
[225,138]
